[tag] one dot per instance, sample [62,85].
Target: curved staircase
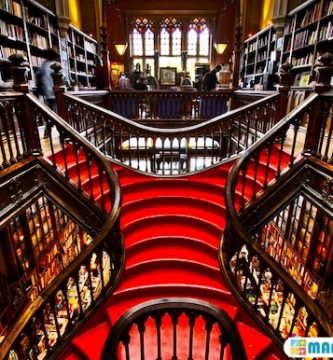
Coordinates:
[172,229]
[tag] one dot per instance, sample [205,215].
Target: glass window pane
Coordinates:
[149,43]
[176,42]
[192,37]
[165,41]
[137,43]
[204,42]
[171,61]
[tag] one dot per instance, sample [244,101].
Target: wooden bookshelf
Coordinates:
[29,28]
[307,35]
[82,57]
[257,57]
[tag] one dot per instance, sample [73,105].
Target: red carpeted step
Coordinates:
[255,343]
[151,248]
[171,226]
[172,229]
[91,342]
[130,297]
[164,271]
[172,187]
[166,206]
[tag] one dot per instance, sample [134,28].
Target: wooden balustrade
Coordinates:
[202,316]
[172,151]
[262,170]
[44,325]
[190,105]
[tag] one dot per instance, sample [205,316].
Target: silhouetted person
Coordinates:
[140,85]
[46,80]
[209,80]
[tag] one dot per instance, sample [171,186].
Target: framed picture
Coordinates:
[168,75]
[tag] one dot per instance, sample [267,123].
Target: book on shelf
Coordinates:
[328,10]
[302,79]
[326,31]
[11,6]
[11,31]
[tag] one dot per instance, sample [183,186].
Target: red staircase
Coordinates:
[172,229]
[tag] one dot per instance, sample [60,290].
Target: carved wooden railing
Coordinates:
[164,104]
[265,166]
[44,325]
[171,151]
[197,317]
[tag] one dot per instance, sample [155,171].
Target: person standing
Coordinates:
[209,80]
[46,80]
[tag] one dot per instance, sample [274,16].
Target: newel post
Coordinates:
[285,83]
[317,112]
[19,69]
[59,90]
[24,112]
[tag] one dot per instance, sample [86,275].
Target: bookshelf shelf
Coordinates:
[28,28]
[309,28]
[82,55]
[256,57]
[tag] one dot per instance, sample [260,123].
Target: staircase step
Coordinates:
[172,226]
[173,187]
[164,271]
[125,299]
[169,206]
[95,336]
[255,343]
[152,248]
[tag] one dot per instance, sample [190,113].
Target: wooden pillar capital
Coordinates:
[19,68]
[324,73]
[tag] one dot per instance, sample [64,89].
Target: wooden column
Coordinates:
[59,90]
[286,80]
[316,119]
[105,70]
[19,69]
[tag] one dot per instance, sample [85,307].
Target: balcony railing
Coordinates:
[171,151]
[43,325]
[202,321]
[306,131]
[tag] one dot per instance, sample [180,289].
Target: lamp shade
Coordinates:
[121,48]
[220,47]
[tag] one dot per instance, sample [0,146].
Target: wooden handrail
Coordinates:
[237,235]
[213,140]
[109,230]
[193,308]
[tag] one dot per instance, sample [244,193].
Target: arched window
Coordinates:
[198,44]
[142,44]
[170,43]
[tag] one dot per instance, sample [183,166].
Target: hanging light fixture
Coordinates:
[120,42]
[220,44]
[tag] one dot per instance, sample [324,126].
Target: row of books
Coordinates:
[40,21]
[307,37]
[262,56]
[11,6]
[39,41]
[14,32]
[5,52]
[36,61]
[302,79]
[328,10]
[306,60]
[251,47]
[326,31]
[311,15]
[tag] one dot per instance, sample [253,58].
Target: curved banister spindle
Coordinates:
[172,151]
[279,154]
[177,313]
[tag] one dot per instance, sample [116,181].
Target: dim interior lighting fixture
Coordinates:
[121,48]
[120,39]
[220,47]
